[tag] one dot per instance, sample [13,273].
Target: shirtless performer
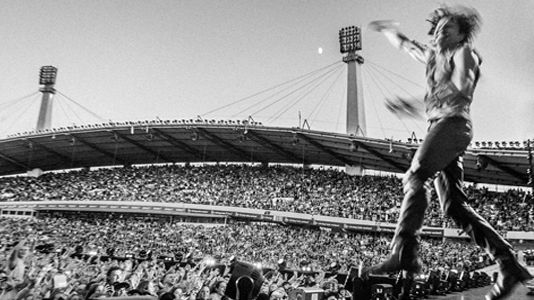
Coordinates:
[452,72]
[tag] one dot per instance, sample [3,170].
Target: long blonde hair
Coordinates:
[468,19]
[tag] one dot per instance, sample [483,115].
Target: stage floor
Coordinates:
[520,293]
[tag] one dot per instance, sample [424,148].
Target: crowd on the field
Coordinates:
[88,256]
[328,192]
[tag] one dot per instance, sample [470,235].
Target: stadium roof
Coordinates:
[150,142]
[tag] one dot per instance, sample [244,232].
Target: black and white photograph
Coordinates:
[266,150]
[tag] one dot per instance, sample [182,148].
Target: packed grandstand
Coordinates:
[73,254]
[315,191]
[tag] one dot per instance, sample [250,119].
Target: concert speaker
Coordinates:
[444,287]
[130,298]
[381,291]
[306,294]
[452,279]
[244,288]
[363,289]
[239,270]
[419,289]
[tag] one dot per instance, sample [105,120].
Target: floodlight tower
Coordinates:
[530,169]
[47,78]
[350,42]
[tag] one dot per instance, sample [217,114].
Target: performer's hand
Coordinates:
[381,25]
[404,108]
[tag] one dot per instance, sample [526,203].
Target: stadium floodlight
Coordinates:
[47,76]
[530,166]
[350,39]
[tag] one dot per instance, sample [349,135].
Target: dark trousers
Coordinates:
[441,152]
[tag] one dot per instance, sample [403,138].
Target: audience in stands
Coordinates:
[311,191]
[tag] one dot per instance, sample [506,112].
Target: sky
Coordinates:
[127,60]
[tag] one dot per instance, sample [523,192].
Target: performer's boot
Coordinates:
[403,257]
[407,282]
[512,273]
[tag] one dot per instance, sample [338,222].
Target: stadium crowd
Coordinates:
[86,256]
[303,190]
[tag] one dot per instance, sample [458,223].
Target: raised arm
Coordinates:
[390,30]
